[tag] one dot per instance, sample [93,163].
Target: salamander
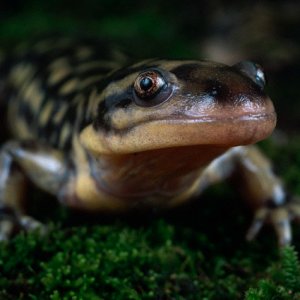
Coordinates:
[105,134]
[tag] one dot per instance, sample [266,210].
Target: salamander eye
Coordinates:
[253,71]
[150,88]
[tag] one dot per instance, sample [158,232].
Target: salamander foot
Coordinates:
[280,218]
[11,222]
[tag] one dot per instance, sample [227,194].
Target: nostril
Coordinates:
[252,71]
[216,89]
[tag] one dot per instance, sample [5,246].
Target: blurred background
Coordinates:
[267,32]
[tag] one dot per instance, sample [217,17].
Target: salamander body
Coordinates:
[103,134]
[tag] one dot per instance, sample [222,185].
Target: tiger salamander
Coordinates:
[105,135]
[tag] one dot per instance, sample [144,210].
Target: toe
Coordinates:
[281,221]
[258,222]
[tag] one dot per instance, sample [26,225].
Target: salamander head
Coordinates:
[166,104]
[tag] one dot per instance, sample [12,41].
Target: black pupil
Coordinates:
[146,83]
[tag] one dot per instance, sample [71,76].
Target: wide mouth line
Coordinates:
[212,119]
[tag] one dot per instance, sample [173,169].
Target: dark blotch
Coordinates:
[122,100]
[124,103]
[26,112]
[7,212]
[122,73]
[107,107]
[271,204]
[32,145]
[185,72]
[44,131]
[102,120]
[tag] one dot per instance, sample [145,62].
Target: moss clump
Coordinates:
[167,258]
[121,262]
[283,279]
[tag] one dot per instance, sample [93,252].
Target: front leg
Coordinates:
[259,185]
[267,195]
[46,167]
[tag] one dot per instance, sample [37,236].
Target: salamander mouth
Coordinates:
[183,120]
[181,131]
[205,130]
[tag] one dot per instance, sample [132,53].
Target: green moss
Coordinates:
[161,259]
[120,262]
[283,279]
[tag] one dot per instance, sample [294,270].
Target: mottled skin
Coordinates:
[101,136]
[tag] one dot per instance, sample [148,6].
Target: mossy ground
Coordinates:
[194,252]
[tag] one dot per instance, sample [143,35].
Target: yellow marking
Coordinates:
[51,43]
[43,45]
[64,134]
[79,98]
[59,63]
[117,87]
[80,109]
[69,87]
[90,197]
[80,154]
[19,128]
[94,100]
[83,67]
[14,192]
[46,113]
[84,52]
[57,118]
[58,74]
[21,73]
[119,57]
[90,80]
[34,95]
